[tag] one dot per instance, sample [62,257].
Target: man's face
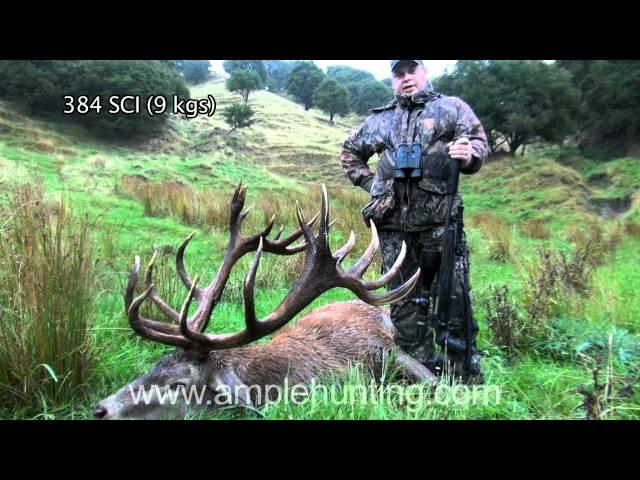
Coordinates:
[408,78]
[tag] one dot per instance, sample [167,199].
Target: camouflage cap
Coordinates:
[396,62]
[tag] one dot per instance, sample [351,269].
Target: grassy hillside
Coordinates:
[149,195]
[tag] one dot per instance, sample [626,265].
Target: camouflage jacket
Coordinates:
[434,121]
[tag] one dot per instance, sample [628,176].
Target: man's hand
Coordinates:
[461,150]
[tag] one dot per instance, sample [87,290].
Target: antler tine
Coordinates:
[131,283]
[323,236]
[244,214]
[131,303]
[184,321]
[273,246]
[345,249]
[306,231]
[281,247]
[237,202]
[236,193]
[153,295]
[268,228]
[280,230]
[182,271]
[393,271]
[157,331]
[392,296]
[360,267]
[354,282]
[248,292]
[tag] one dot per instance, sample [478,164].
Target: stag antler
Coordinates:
[322,271]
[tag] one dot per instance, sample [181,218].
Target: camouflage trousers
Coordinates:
[404,313]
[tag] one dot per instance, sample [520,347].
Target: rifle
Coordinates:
[442,291]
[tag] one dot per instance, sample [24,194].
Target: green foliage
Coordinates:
[517,101]
[331,98]
[347,75]
[371,95]
[42,86]
[611,99]
[277,73]
[243,82]
[195,71]
[365,91]
[238,115]
[257,66]
[302,82]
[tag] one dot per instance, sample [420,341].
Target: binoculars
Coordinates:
[408,162]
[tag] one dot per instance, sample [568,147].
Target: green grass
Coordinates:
[289,152]
[616,284]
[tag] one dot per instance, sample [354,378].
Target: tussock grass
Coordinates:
[47,293]
[497,232]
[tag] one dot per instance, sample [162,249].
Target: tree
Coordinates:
[610,102]
[365,91]
[332,98]
[578,69]
[195,71]
[517,101]
[370,95]
[257,66]
[345,75]
[613,96]
[303,80]
[243,82]
[277,73]
[43,84]
[238,115]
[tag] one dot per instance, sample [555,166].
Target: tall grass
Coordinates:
[209,209]
[47,298]
[497,233]
[536,229]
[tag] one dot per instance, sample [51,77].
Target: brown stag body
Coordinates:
[326,341]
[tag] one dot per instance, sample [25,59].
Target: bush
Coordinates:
[506,327]
[238,115]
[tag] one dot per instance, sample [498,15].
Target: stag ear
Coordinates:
[228,382]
